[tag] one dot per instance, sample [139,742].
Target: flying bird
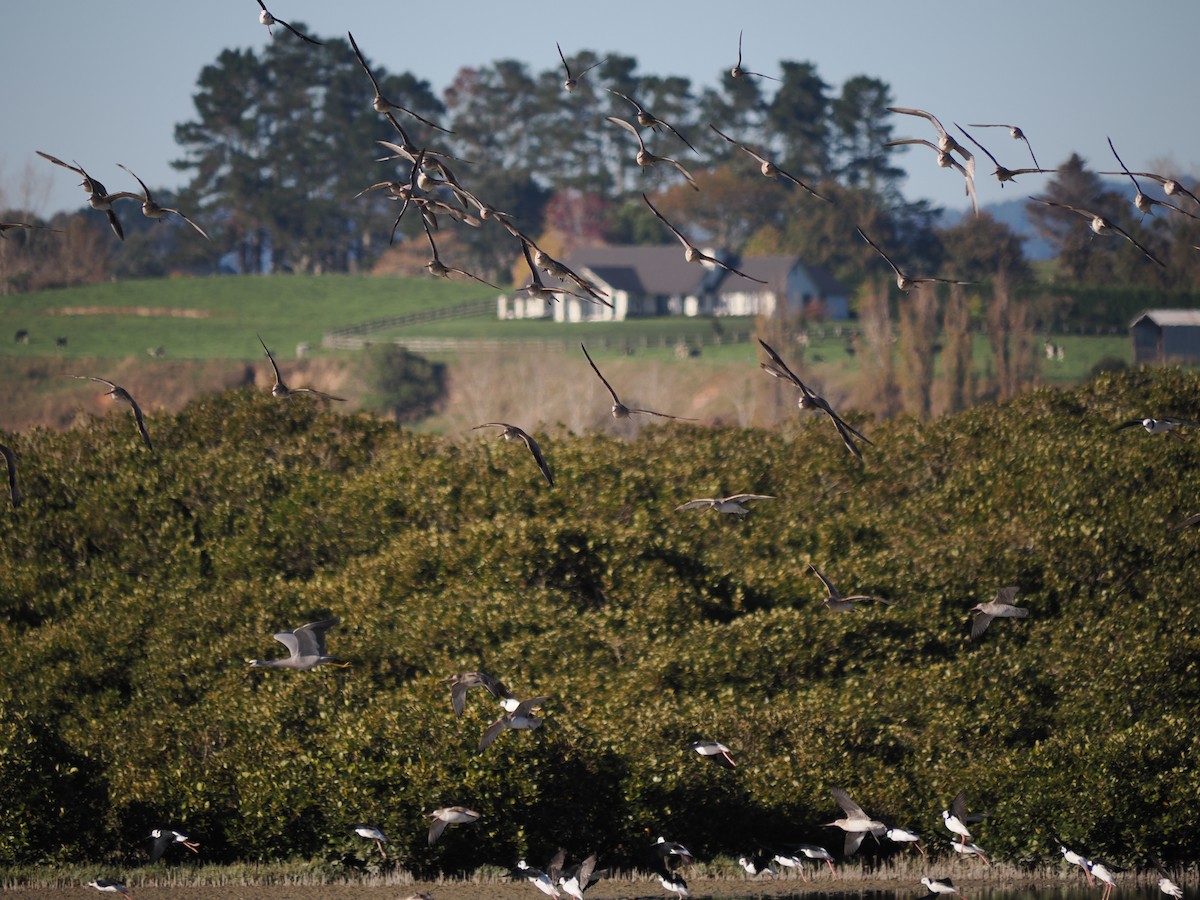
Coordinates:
[439,269]
[619,409]
[969,849]
[165,838]
[110,887]
[578,878]
[766,166]
[648,120]
[790,861]
[690,253]
[120,395]
[945,161]
[672,851]
[645,158]
[460,684]
[10,463]
[903,281]
[733,506]
[449,815]
[738,72]
[758,864]
[537,288]
[98,195]
[555,269]
[521,718]
[151,209]
[837,602]
[1100,225]
[380,103]
[572,81]
[955,816]
[513,433]
[715,751]
[1078,859]
[856,823]
[1000,608]
[371,833]
[305,646]
[9,226]
[1002,174]
[1170,186]
[946,141]
[282,391]
[812,851]
[809,399]
[1014,132]
[1145,205]
[545,880]
[1165,425]
[265,18]
[904,836]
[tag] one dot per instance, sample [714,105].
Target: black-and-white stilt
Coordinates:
[371,833]
[714,751]
[940,886]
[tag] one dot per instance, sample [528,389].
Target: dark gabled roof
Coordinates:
[619,278]
[657,270]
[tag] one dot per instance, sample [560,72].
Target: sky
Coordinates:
[107,82]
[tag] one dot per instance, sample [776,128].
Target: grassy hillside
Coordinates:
[220,316]
[132,589]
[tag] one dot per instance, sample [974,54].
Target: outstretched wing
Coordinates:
[10,460]
[311,637]
[538,458]
[598,374]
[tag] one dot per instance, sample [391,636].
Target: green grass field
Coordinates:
[227,312]
[284,309]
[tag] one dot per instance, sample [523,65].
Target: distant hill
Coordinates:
[1011,213]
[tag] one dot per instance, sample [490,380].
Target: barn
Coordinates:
[1162,336]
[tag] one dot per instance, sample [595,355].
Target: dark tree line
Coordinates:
[282,141]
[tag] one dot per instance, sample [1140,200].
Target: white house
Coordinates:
[658,281]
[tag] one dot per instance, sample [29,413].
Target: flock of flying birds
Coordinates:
[434,190]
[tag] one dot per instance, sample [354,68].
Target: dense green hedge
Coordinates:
[133,587]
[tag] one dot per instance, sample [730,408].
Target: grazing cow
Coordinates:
[22,336]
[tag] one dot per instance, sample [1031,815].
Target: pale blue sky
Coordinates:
[106,82]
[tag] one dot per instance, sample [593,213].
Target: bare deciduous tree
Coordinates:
[918,338]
